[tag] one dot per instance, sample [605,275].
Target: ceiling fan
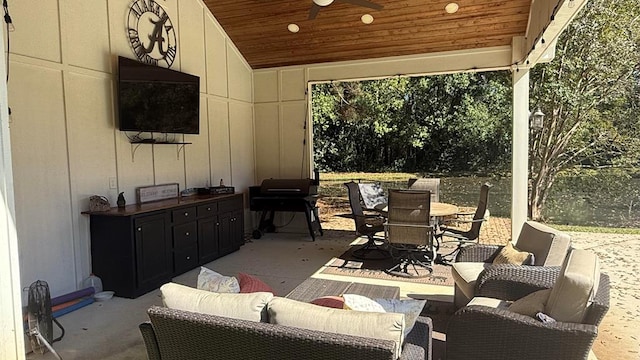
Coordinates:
[319,4]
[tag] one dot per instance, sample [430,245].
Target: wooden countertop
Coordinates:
[159,205]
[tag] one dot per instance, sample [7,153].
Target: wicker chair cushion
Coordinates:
[465,275]
[575,288]
[251,306]
[548,245]
[531,304]
[386,326]
[490,302]
[512,255]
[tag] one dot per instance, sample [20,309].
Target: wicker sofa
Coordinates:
[181,334]
[176,334]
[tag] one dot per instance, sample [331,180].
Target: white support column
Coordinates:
[11,331]
[520,151]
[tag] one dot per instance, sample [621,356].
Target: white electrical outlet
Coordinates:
[113,183]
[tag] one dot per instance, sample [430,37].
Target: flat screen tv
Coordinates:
[155,99]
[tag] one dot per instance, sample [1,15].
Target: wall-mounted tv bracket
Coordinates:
[136,145]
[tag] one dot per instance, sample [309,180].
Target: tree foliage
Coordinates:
[588,93]
[458,122]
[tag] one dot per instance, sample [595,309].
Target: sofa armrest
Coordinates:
[418,343]
[512,282]
[150,341]
[478,253]
[481,332]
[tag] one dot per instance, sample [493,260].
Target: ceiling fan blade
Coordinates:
[315,9]
[364,3]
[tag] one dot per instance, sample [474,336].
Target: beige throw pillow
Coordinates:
[511,255]
[531,304]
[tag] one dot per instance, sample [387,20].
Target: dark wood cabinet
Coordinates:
[137,249]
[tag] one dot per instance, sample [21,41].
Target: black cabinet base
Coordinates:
[137,251]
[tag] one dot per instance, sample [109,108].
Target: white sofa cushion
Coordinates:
[465,274]
[249,306]
[387,326]
[575,288]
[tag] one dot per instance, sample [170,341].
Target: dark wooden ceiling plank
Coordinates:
[309,58]
[258,28]
[384,35]
[351,17]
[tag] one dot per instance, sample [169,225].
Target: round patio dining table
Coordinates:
[438,209]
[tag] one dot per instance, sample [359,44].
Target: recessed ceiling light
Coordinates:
[451,8]
[367,18]
[293,28]
[323,2]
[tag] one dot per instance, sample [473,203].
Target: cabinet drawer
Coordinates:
[185,259]
[207,209]
[230,205]
[185,235]
[183,215]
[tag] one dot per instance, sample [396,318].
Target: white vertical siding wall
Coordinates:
[64,140]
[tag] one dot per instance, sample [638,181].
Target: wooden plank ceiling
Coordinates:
[402,27]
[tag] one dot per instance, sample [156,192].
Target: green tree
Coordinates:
[458,122]
[586,93]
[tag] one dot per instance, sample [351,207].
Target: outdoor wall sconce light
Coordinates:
[536,119]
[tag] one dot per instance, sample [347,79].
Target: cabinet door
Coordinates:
[237,229]
[225,239]
[153,250]
[208,239]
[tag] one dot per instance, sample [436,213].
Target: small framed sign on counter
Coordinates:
[147,194]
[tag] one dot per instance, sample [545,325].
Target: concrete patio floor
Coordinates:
[109,330]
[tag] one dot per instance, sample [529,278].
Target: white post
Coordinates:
[520,151]
[11,332]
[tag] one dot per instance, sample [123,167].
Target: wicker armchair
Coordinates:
[484,332]
[474,264]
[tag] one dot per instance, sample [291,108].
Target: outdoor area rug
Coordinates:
[440,312]
[347,265]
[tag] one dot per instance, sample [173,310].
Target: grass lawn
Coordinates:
[333,197]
